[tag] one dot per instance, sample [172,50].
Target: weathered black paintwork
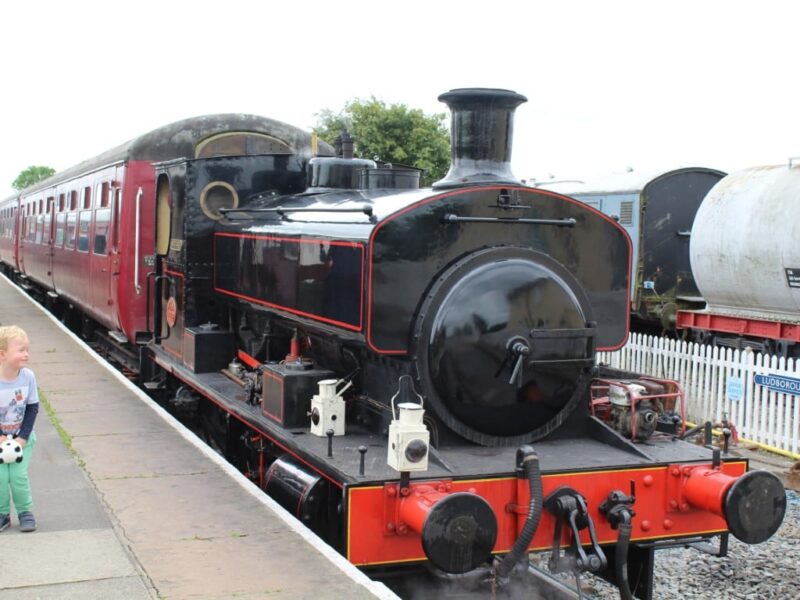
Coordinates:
[406,243]
[178,141]
[493,296]
[411,247]
[669,204]
[186,272]
[531,265]
[481,130]
[286,392]
[321,279]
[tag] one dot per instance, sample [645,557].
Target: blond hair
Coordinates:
[11,332]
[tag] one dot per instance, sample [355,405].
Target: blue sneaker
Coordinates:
[26,521]
[5,521]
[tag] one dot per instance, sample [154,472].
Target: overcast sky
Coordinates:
[611,84]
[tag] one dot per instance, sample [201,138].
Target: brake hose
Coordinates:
[530,464]
[621,556]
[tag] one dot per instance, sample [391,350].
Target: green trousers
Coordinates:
[14,482]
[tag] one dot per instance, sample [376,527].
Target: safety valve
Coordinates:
[408,437]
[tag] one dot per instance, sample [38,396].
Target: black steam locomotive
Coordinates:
[411,372]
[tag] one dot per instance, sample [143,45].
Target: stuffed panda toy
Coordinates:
[10,452]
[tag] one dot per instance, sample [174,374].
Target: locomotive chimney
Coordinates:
[482,128]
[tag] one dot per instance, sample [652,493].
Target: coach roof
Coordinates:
[178,140]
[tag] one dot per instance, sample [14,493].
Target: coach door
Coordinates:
[171,280]
[99,243]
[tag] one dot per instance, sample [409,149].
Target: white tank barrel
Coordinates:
[744,246]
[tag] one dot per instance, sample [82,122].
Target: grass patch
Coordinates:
[66,438]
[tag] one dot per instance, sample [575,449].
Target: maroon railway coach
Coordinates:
[84,239]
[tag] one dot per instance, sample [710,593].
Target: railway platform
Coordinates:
[130,505]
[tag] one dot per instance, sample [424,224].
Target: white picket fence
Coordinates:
[720,383]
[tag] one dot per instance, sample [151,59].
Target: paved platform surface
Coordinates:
[130,506]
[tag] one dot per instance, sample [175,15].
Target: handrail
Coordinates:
[136,285]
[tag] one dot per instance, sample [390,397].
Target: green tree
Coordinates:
[394,134]
[31,175]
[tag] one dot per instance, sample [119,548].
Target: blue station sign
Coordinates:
[779,383]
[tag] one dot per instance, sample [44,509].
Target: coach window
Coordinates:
[48,220]
[83,230]
[69,241]
[31,232]
[117,211]
[87,197]
[60,218]
[101,220]
[39,228]
[73,200]
[61,202]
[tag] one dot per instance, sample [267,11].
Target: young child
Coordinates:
[19,405]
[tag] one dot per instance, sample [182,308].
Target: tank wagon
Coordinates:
[657,210]
[746,262]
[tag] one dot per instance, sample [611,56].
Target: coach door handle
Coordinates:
[136,285]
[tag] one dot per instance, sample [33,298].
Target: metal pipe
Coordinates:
[528,460]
